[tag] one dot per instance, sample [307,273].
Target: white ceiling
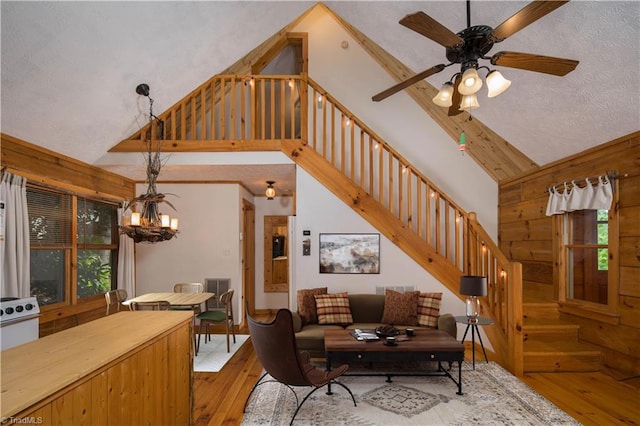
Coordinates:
[69,69]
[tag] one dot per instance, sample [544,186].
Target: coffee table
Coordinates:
[427,345]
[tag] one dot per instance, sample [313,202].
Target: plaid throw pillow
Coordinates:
[307,304]
[429,309]
[333,308]
[400,308]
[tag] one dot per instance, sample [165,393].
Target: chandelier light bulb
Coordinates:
[496,83]
[470,83]
[444,98]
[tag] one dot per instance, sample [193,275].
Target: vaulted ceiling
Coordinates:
[69,69]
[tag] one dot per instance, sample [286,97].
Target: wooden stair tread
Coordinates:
[530,323]
[562,346]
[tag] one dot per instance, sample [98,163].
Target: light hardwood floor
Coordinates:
[591,398]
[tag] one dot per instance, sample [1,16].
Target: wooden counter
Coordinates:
[127,368]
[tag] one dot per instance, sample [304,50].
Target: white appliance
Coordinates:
[19,321]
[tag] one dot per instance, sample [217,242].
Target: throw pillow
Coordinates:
[333,308]
[400,308]
[307,304]
[429,309]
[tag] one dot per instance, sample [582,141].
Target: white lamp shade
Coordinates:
[135,219]
[470,82]
[445,95]
[174,224]
[496,83]
[469,102]
[165,220]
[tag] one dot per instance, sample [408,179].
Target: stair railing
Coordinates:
[258,112]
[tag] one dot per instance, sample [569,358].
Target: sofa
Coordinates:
[367,311]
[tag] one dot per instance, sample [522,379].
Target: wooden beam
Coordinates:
[495,155]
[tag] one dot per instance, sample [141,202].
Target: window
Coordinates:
[67,267]
[587,249]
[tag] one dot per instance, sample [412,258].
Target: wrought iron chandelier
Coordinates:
[147,224]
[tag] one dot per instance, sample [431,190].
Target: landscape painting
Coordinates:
[349,253]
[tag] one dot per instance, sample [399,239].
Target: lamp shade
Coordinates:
[471,285]
[496,83]
[444,98]
[469,102]
[470,83]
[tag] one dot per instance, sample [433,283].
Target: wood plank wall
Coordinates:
[526,236]
[55,170]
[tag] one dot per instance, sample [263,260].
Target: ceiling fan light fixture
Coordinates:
[496,83]
[469,102]
[444,98]
[470,83]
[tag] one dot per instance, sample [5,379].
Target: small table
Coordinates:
[474,329]
[426,345]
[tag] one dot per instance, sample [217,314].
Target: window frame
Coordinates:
[562,228]
[71,250]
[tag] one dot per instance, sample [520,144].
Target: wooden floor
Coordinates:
[591,398]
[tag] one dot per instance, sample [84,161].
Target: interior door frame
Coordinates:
[248,259]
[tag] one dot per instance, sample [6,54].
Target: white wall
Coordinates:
[207,245]
[352,77]
[319,211]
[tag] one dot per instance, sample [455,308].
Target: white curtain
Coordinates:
[14,237]
[592,196]
[126,262]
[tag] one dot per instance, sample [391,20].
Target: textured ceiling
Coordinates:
[69,69]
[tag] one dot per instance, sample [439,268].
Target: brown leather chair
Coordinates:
[275,346]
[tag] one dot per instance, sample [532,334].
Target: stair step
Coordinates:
[540,310]
[548,330]
[548,356]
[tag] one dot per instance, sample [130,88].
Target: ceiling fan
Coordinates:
[471,45]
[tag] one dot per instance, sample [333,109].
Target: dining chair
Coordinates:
[159,305]
[114,299]
[217,316]
[188,288]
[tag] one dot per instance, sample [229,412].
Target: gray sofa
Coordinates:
[367,311]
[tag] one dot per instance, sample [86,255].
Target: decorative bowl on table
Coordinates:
[387,331]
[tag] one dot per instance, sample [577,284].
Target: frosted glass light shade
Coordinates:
[469,102]
[470,82]
[444,98]
[496,83]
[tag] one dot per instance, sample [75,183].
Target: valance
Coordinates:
[594,195]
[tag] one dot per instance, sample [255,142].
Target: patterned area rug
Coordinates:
[492,396]
[213,355]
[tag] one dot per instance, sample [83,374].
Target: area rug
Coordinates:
[492,396]
[213,355]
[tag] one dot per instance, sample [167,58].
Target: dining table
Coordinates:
[177,300]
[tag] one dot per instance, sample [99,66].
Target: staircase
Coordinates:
[297,116]
[551,344]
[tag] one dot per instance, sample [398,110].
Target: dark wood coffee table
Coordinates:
[427,345]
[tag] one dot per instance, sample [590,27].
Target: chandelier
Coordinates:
[147,224]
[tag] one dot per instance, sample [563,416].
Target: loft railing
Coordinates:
[232,112]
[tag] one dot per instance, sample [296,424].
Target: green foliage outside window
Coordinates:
[603,238]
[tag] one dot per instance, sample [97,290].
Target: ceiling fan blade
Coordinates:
[454,109]
[537,63]
[408,82]
[423,24]
[525,16]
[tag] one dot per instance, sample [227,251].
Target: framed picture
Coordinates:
[349,253]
